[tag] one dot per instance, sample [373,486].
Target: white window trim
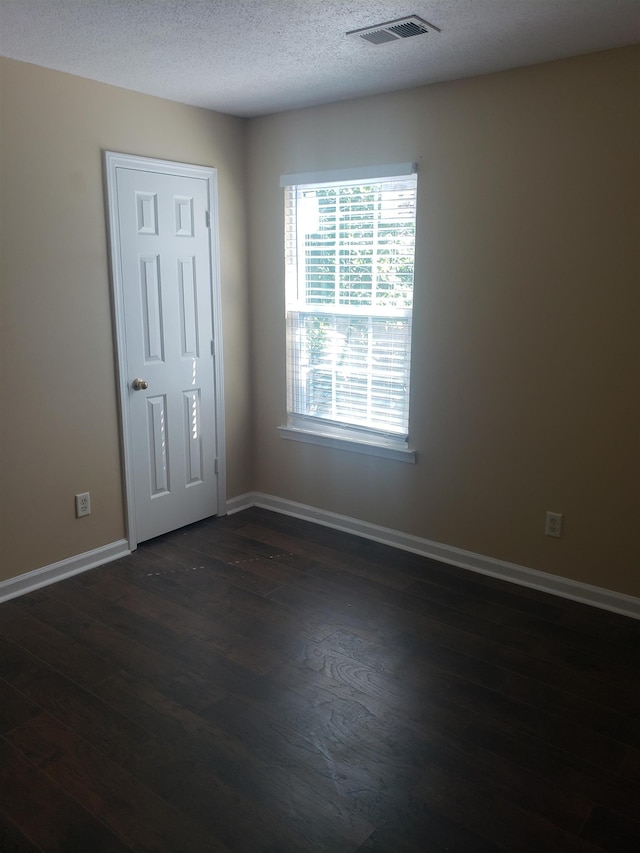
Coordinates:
[370,448]
[337,437]
[363,173]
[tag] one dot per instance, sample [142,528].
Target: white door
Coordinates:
[163,267]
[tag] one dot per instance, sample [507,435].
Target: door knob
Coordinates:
[140,385]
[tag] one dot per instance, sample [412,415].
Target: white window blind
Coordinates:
[349,252]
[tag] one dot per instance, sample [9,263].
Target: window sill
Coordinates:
[369,448]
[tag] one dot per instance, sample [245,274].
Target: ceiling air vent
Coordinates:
[402,28]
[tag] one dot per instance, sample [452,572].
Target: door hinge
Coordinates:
[213,348]
[207,217]
[215,466]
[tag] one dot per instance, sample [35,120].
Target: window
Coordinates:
[349,255]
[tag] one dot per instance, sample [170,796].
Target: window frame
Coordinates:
[331,432]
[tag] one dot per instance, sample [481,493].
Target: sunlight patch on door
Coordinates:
[158,450]
[192,432]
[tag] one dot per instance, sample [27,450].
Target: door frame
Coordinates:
[112,162]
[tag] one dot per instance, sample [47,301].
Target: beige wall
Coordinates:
[58,395]
[526,365]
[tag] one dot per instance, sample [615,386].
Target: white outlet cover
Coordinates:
[83,504]
[553,525]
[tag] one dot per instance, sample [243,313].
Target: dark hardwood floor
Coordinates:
[259,683]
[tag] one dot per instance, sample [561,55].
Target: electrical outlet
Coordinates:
[553,525]
[83,504]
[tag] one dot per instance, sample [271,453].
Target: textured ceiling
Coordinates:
[252,57]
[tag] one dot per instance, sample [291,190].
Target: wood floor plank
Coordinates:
[445,675]
[111,733]
[261,684]
[238,821]
[387,617]
[190,632]
[609,670]
[15,707]
[285,791]
[420,713]
[148,629]
[612,830]
[483,811]
[122,652]
[253,575]
[550,728]
[328,557]
[476,768]
[419,682]
[48,817]
[415,599]
[182,776]
[630,767]
[127,808]
[580,775]
[339,755]
[550,673]
[239,553]
[52,645]
[14,841]
[597,717]
[415,828]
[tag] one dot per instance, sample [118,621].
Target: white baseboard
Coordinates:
[605,599]
[241,502]
[595,596]
[30,581]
